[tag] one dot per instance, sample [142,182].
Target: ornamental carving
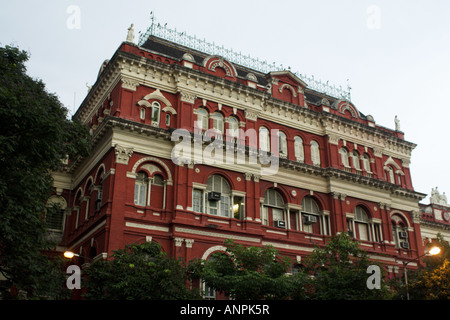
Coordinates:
[187,97]
[129,84]
[288,86]
[251,115]
[123,154]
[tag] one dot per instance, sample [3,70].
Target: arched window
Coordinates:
[344,157]
[156,111]
[233,128]
[87,200]
[390,174]
[400,232]
[140,189]
[218,123]
[298,147]
[264,139]
[202,119]
[311,218]
[55,213]
[273,209]
[315,153]
[219,195]
[99,189]
[355,160]
[167,119]
[366,162]
[142,113]
[362,224]
[157,191]
[282,144]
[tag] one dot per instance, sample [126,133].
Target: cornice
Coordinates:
[135,70]
[435,224]
[111,123]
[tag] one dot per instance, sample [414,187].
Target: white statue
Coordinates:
[434,198]
[437,198]
[397,124]
[130,35]
[444,199]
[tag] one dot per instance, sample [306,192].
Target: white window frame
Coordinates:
[315,153]
[282,144]
[264,139]
[299,150]
[155,119]
[222,207]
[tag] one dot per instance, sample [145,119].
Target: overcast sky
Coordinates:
[395,54]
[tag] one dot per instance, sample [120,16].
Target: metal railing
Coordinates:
[162,31]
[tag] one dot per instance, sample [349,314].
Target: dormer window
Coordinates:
[156,110]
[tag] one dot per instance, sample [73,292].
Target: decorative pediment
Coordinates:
[287,86]
[155,95]
[288,77]
[344,107]
[213,62]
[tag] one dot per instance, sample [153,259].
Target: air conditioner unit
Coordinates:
[310,219]
[214,196]
[404,245]
[280,224]
[403,234]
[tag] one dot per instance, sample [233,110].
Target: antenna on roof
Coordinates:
[349,88]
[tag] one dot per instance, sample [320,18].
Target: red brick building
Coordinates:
[337,169]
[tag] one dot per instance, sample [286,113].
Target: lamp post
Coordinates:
[432,252]
[70,254]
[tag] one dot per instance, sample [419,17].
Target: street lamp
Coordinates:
[432,252]
[70,254]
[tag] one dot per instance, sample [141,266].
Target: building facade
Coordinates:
[299,165]
[435,217]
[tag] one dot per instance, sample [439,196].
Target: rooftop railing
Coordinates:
[211,48]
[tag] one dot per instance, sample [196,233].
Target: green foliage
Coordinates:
[35,135]
[431,282]
[340,271]
[250,273]
[138,272]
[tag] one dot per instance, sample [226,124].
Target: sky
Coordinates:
[395,55]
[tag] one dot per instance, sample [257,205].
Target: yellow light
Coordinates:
[434,251]
[236,208]
[69,254]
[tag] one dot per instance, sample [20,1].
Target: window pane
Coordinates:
[363,231]
[298,145]
[225,206]
[277,214]
[264,139]
[197,200]
[212,207]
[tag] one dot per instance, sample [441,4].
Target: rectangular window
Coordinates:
[197,200]
[238,207]
[212,205]
[140,191]
[155,116]
[363,231]
[225,206]
[98,200]
[277,214]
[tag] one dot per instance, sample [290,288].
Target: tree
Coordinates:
[432,281]
[35,136]
[340,271]
[138,272]
[252,273]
